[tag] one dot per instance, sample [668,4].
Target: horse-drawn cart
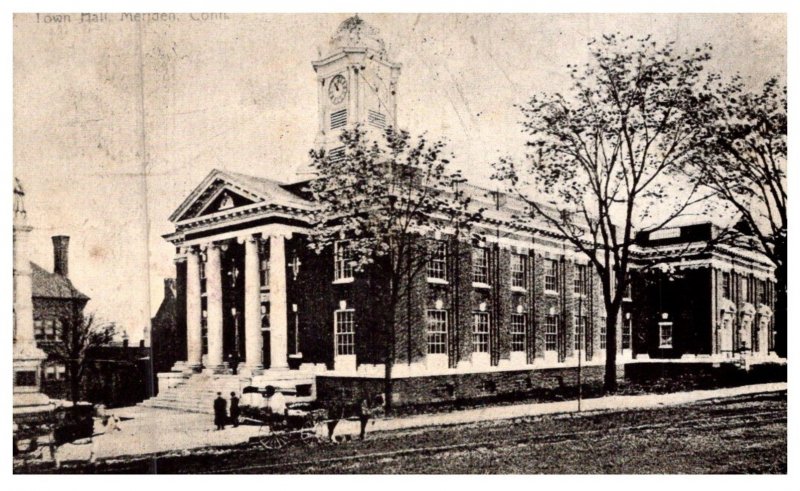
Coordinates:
[279,430]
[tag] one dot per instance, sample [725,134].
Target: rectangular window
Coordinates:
[480,265]
[749,289]
[263,271]
[338,119]
[745,290]
[762,292]
[627,329]
[55,330]
[580,286]
[47,332]
[50,372]
[517,332]
[437,332]
[38,329]
[627,292]
[551,275]
[437,263]
[581,323]
[665,334]
[480,332]
[518,271]
[376,119]
[726,285]
[603,333]
[551,333]
[345,332]
[343,265]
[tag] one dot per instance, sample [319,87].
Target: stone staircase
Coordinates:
[196,392]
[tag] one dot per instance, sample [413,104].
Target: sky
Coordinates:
[116,121]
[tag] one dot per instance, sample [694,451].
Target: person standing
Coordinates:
[220,411]
[366,411]
[234,410]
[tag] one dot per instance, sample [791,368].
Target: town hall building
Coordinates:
[517,309]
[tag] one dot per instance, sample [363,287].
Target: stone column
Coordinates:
[278,319]
[254,343]
[214,299]
[194,314]
[23,304]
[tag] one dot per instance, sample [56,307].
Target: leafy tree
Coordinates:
[388,194]
[76,337]
[744,163]
[604,160]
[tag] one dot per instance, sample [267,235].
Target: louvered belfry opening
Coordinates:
[338,119]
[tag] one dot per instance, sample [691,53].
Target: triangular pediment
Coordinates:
[225,199]
[218,193]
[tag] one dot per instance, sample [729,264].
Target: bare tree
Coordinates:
[744,163]
[387,197]
[76,337]
[604,160]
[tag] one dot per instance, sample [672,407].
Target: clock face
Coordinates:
[337,89]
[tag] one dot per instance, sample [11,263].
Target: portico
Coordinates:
[236,298]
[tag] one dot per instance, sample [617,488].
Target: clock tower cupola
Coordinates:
[356,83]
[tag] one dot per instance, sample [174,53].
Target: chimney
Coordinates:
[61,255]
[170,288]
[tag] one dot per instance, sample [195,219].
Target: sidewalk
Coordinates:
[153,430]
[611,403]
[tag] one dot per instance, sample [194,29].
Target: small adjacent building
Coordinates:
[55,300]
[168,338]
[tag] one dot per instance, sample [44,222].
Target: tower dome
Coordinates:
[355,33]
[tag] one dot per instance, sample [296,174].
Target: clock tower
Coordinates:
[356,83]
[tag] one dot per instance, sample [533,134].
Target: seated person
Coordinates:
[251,397]
[276,402]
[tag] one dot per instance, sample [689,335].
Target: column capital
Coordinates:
[250,237]
[279,234]
[190,249]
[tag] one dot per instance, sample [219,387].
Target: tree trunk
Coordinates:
[389,325]
[387,382]
[610,381]
[74,384]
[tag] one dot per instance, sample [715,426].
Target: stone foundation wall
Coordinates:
[457,387]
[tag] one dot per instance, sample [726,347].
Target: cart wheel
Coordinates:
[274,441]
[309,436]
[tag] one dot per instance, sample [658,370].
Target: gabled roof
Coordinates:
[51,285]
[251,188]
